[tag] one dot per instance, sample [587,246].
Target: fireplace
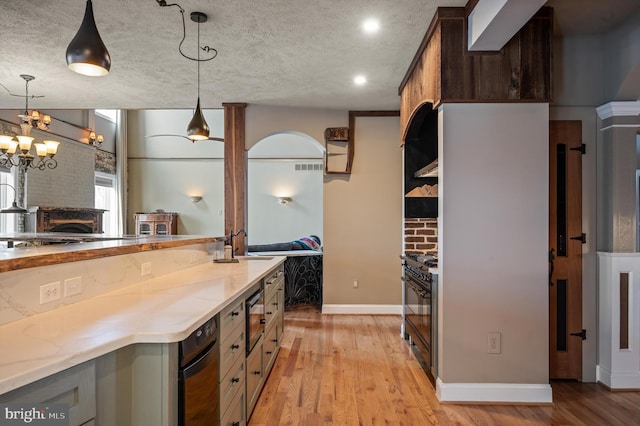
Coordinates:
[76,220]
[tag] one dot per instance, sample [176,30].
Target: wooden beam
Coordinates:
[235,174]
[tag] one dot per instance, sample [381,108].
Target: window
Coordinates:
[107,199]
[8,222]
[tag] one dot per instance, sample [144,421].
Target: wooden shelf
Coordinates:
[338,150]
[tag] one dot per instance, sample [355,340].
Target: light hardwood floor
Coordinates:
[356,370]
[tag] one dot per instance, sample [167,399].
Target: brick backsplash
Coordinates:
[421,235]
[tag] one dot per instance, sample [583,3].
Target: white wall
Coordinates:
[272,222]
[272,173]
[163,172]
[493,242]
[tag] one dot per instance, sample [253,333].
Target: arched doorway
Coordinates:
[284,188]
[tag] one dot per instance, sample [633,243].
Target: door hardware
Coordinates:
[582,148]
[552,257]
[582,334]
[582,238]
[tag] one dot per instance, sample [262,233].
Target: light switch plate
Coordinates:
[72,286]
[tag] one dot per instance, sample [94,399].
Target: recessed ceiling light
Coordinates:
[360,80]
[371,26]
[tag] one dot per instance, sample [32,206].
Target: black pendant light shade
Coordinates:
[13,209]
[198,129]
[87,54]
[14,206]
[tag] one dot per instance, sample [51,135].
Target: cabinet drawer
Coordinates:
[231,350]
[255,373]
[273,281]
[231,317]
[235,412]
[231,384]
[271,310]
[272,345]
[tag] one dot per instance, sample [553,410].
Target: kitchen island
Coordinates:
[150,312]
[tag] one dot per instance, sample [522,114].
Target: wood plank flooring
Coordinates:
[356,370]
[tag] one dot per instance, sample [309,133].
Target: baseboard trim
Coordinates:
[617,381]
[362,309]
[511,393]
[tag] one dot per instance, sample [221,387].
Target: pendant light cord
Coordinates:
[207,49]
[198,59]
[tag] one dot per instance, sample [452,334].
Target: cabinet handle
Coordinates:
[235,380]
[256,373]
[234,313]
[275,304]
[263,321]
[269,353]
[235,347]
[235,424]
[275,340]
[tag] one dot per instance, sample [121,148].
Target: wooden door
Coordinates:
[565,250]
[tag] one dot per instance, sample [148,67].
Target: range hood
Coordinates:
[430,170]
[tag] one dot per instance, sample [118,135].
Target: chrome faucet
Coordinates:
[231,235]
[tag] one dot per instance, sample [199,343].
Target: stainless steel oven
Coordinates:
[255,318]
[198,377]
[419,313]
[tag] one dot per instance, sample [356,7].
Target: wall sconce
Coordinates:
[95,140]
[195,198]
[284,200]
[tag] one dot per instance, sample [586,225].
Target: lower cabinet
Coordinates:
[234,415]
[74,389]
[255,376]
[232,334]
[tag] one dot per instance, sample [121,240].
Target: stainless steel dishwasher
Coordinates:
[198,377]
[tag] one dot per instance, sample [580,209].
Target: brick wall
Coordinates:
[421,235]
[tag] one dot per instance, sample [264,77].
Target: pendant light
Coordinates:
[87,54]
[198,129]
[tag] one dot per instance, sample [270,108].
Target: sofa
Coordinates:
[302,269]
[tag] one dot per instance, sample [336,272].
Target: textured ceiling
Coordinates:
[276,52]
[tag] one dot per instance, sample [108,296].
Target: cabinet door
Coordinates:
[145,228]
[162,228]
[75,387]
[255,373]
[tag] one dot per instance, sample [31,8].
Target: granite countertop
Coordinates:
[88,246]
[165,309]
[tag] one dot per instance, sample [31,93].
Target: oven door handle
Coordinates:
[418,289]
[207,356]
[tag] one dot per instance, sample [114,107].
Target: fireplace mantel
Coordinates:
[64,219]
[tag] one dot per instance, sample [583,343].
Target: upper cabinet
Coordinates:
[443,70]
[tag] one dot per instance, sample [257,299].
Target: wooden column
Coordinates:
[235,174]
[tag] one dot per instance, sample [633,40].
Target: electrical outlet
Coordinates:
[72,286]
[145,269]
[49,292]
[493,343]
[355,283]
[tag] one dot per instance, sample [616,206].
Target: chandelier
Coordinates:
[17,152]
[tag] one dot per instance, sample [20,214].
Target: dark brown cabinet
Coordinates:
[158,223]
